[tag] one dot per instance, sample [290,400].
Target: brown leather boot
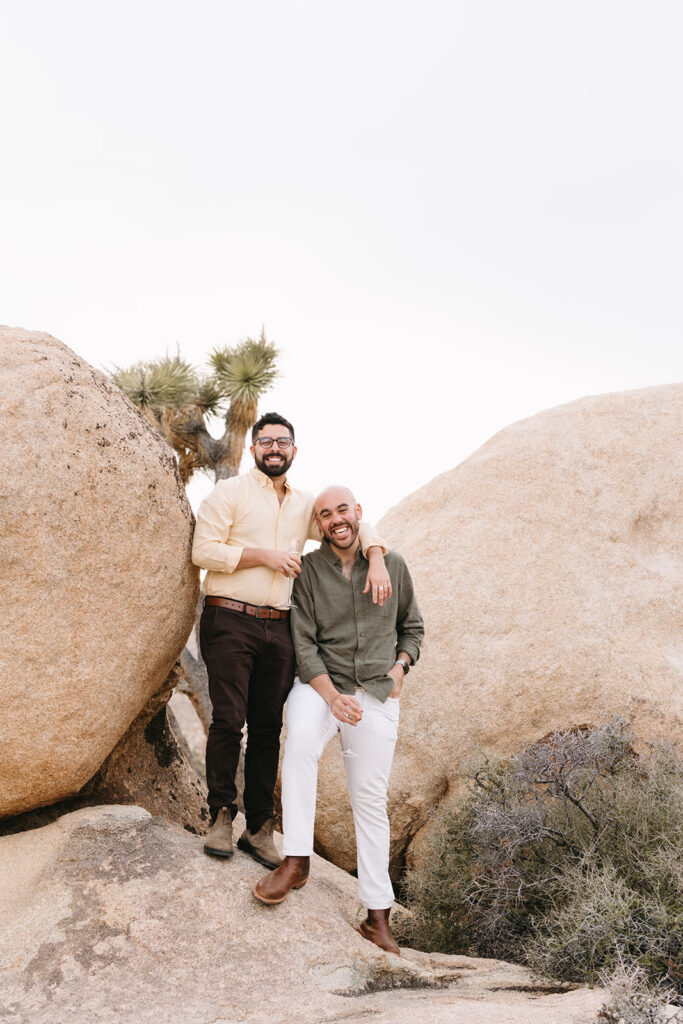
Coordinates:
[376,929]
[292,874]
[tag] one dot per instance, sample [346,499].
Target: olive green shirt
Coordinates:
[338,630]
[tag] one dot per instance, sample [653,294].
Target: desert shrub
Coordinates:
[567,856]
[634,1000]
[601,921]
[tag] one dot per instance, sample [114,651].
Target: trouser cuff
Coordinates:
[213,811]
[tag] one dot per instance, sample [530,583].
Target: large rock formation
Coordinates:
[97,588]
[151,766]
[549,568]
[112,916]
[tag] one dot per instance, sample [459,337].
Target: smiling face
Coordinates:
[273,461]
[338,513]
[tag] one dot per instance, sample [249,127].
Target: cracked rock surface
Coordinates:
[112,915]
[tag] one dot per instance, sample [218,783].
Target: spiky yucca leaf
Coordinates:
[170,382]
[209,397]
[244,372]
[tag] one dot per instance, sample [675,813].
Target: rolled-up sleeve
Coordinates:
[211,547]
[369,538]
[304,629]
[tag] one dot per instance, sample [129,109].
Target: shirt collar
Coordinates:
[264,480]
[333,558]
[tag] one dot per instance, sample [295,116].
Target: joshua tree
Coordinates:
[177,399]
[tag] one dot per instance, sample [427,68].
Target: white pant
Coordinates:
[310,726]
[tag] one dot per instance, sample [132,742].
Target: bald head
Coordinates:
[334,495]
[338,513]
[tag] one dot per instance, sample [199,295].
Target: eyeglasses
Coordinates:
[281,442]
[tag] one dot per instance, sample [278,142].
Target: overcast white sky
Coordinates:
[448,215]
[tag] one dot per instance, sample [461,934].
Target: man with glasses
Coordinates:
[248,535]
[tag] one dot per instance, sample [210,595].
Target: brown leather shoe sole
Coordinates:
[272,902]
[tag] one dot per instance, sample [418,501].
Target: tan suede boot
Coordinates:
[292,874]
[376,929]
[260,845]
[219,838]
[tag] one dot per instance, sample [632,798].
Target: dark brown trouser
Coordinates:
[251,670]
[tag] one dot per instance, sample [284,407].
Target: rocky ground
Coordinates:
[112,915]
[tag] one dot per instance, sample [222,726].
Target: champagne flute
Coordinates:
[293,547]
[346,751]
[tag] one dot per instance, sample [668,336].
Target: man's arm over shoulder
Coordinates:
[409,623]
[378,580]
[369,538]
[211,548]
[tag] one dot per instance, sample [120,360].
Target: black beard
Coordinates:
[354,528]
[271,471]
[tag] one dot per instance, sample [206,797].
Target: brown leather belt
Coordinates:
[248,609]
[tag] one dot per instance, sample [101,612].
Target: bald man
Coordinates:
[352,657]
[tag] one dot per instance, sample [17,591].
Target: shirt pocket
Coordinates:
[385,613]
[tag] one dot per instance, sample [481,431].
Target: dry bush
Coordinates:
[632,1000]
[567,856]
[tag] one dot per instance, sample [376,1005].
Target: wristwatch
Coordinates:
[404,663]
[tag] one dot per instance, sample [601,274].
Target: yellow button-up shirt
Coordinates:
[244,512]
